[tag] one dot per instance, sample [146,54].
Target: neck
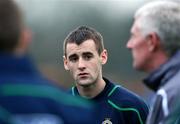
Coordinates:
[93,90]
[157,61]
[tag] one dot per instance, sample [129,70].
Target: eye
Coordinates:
[88,56]
[73,59]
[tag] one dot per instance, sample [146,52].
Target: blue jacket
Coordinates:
[165,81]
[117,105]
[28,98]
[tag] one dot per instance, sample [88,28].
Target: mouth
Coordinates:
[82,75]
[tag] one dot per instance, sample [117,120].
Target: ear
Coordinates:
[65,63]
[104,56]
[153,41]
[24,41]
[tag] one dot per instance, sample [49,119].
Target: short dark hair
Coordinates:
[83,33]
[10,25]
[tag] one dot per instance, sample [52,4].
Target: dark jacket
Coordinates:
[165,81]
[118,105]
[28,98]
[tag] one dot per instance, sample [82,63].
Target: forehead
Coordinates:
[135,26]
[86,46]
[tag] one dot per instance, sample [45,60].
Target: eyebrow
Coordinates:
[87,53]
[73,55]
[84,53]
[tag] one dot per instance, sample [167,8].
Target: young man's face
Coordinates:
[84,62]
[138,44]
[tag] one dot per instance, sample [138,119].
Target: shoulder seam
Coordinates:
[126,109]
[114,88]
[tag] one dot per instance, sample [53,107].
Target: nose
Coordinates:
[81,64]
[129,44]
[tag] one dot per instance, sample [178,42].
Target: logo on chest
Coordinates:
[107,121]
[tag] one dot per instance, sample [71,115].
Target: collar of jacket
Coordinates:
[160,76]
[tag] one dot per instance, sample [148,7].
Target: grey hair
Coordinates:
[162,18]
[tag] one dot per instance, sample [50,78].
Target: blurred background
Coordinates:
[51,21]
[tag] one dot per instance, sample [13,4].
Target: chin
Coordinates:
[136,66]
[139,68]
[85,83]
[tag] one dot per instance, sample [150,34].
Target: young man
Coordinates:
[155,43]
[25,96]
[84,55]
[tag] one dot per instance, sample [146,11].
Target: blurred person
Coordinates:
[26,97]
[155,43]
[84,55]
